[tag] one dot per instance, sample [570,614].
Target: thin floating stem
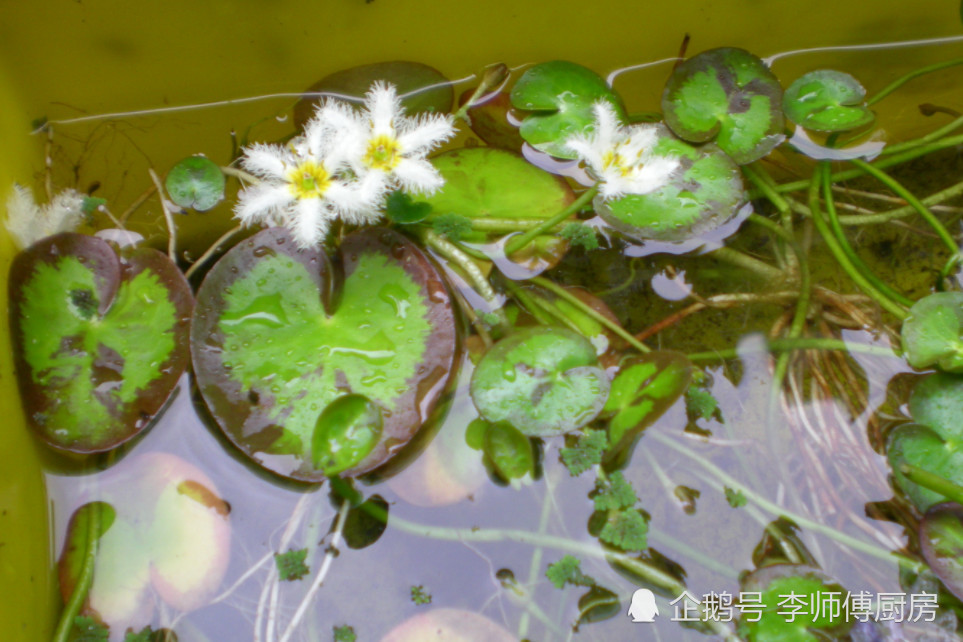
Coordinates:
[751,263]
[224,238]
[802,343]
[518,242]
[902,80]
[168,216]
[882,217]
[85,579]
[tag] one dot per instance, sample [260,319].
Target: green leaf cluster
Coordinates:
[626,529]
[580,235]
[419,595]
[568,571]
[587,452]
[291,565]
[345,633]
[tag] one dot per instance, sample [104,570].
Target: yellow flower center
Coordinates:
[383,153]
[309,180]
[613,159]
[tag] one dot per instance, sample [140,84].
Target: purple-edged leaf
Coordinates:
[729,95]
[100,338]
[274,347]
[941,541]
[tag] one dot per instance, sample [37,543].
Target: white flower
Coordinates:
[304,186]
[389,146]
[621,158]
[29,222]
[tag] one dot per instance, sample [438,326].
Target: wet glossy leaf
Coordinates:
[645,387]
[704,195]
[941,542]
[348,429]
[544,381]
[509,451]
[482,182]
[489,121]
[273,347]
[810,586]
[77,540]
[362,526]
[937,401]
[196,182]
[827,101]
[100,337]
[930,449]
[560,94]
[401,208]
[408,78]
[933,332]
[727,95]
[598,604]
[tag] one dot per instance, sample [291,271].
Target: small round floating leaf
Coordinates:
[273,347]
[362,526]
[598,604]
[929,450]
[941,542]
[729,95]
[544,381]
[100,338]
[827,101]
[347,431]
[509,451]
[426,89]
[937,402]
[706,193]
[561,96]
[775,622]
[933,332]
[196,182]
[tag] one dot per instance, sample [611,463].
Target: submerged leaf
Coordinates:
[560,96]
[544,381]
[941,542]
[100,338]
[196,182]
[727,95]
[509,451]
[827,101]
[273,348]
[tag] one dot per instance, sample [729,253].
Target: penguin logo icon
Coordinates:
[643,607]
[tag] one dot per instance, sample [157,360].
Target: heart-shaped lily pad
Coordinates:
[433,92]
[827,101]
[941,542]
[706,193]
[165,533]
[933,332]
[273,348]
[772,616]
[100,338]
[729,95]
[561,94]
[544,381]
[930,450]
[494,184]
[645,387]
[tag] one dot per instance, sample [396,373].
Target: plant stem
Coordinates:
[537,554]
[802,343]
[84,580]
[743,260]
[935,483]
[516,243]
[934,199]
[823,228]
[460,259]
[776,510]
[902,80]
[562,293]
[506,225]
[171,228]
[914,202]
[211,250]
[854,258]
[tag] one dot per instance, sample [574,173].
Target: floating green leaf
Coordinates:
[561,95]
[545,381]
[941,542]
[785,589]
[930,450]
[196,182]
[703,195]
[598,603]
[291,564]
[100,338]
[827,101]
[937,402]
[481,182]
[568,570]
[363,526]
[348,429]
[430,91]
[401,208]
[728,95]
[509,451]
[491,122]
[626,529]
[933,332]
[644,388]
[273,347]
[587,451]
